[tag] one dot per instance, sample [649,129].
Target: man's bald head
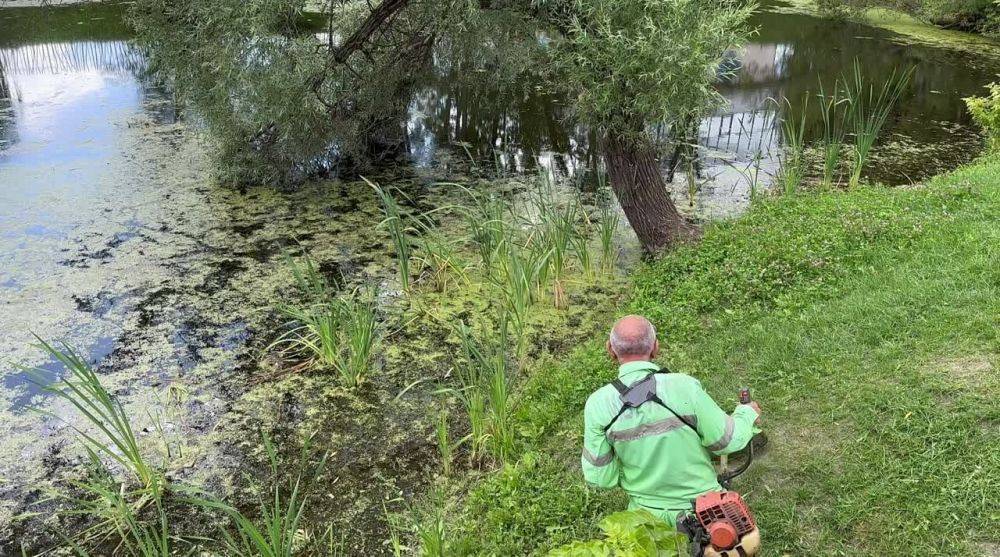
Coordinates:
[633,338]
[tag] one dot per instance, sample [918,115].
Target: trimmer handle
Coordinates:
[745,395]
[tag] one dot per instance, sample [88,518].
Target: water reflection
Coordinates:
[930,130]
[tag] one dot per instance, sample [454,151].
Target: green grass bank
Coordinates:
[867,323]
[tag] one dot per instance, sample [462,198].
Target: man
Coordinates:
[662,459]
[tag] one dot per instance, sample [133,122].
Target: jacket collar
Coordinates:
[627,370]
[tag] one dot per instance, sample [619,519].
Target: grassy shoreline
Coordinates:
[912,28]
[867,323]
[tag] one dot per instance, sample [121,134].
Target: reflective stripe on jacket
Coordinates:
[658,460]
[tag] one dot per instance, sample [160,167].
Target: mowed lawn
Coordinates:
[868,325]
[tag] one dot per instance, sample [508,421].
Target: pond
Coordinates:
[113,238]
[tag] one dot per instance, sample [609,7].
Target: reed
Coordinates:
[438,256]
[431,527]
[869,109]
[793,162]
[489,228]
[277,530]
[308,278]
[396,226]
[445,448]
[833,110]
[83,390]
[485,375]
[342,335]
[115,507]
[607,224]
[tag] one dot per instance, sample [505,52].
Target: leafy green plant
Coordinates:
[308,278]
[868,112]
[278,530]
[396,226]
[342,334]
[629,533]
[986,112]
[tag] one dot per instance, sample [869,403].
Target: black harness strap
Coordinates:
[624,390]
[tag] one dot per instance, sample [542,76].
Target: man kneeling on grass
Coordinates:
[653,432]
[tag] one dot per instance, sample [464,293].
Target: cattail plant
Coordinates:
[868,112]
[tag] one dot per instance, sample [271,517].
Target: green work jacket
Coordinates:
[658,460]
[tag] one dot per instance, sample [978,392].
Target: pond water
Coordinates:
[107,216]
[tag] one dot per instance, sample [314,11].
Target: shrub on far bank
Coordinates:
[986,112]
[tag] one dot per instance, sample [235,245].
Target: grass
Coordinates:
[867,323]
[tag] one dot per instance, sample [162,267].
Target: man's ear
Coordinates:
[611,352]
[656,349]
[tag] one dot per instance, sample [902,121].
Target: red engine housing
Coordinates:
[725,517]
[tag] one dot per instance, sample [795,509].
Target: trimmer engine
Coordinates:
[727,529]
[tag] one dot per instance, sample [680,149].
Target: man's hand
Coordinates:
[753,404]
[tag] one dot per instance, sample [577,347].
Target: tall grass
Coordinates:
[485,375]
[607,224]
[114,506]
[834,108]
[793,163]
[438,256]
[342,334]
[869,109]
[308,278]
[277,532]
[397,228]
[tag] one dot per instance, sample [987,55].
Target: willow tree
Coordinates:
[629,65]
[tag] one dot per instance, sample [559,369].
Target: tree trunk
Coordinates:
[634,171]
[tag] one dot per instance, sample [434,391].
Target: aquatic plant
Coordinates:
[397,228]
[607,224]
[308,278]
[117,514]
[278,530]
[437,254]
[869,110]
[793,162]
[834,111]
[114,505]
[445,448]
[342,334]
[84,391]
[431,527]
[485,375]
[487,219]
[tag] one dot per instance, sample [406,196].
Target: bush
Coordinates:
[986,112]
